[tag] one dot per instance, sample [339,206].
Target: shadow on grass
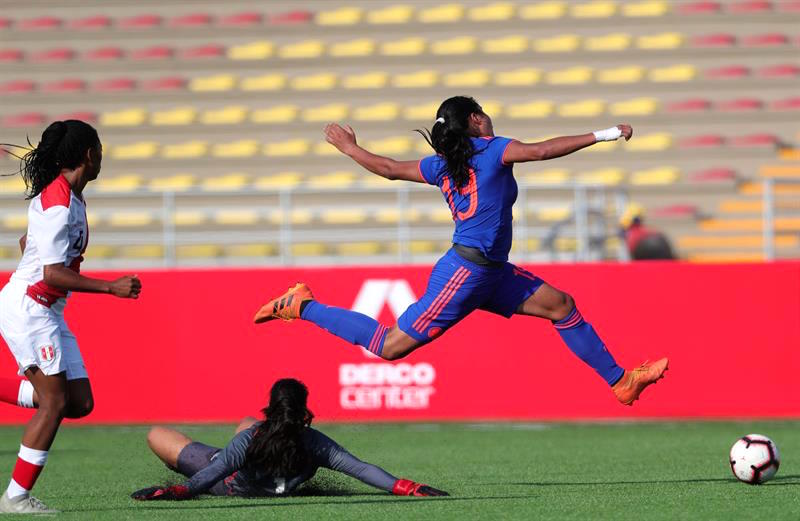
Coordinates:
[792,479]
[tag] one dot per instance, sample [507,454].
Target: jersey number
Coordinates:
[470,190]
[78,245]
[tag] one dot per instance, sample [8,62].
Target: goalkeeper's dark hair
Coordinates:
[277,447]
[63,145]
[451,138]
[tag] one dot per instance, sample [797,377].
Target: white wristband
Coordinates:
[609,134]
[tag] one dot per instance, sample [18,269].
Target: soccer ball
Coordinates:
[754,459]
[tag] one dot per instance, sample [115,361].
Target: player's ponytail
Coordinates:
[450,136]
[63,145]
[277,447]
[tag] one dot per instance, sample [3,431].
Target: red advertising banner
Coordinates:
[188,351]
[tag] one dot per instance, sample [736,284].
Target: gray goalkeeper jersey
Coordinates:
[228,465]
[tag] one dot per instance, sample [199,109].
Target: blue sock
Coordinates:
[352,326]
[582,340]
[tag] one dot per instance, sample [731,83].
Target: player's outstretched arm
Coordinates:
[518,152]
[344,139]
[59,276]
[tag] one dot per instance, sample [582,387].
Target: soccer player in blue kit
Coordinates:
[473,169]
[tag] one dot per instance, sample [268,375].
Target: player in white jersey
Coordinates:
[32,303]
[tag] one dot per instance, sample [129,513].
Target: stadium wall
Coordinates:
[187,350]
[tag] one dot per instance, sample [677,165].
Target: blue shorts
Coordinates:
[195,457]
[457,287]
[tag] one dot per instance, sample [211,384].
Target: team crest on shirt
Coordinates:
[48,352]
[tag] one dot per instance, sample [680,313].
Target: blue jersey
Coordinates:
[482,208]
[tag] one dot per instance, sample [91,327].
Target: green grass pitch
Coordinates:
[554,471]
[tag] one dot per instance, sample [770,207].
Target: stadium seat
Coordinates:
[532,109]
[393,215]
[308,249]
[218,83]
[139,150]
[765,40]
[663,41]
[739,104]
[562,43]
[323,148]
[749,7]
[114,85]
[645,9]
[714,40]
[17,87]
[24,119]
[330,112]
[245,19]
[270,81]
[189,218]
[251,51]
[792,103]
[411,46]
[350,48]
[553,213]
[788,6]
[654,176]
[292,147]
[117,184]
[493,12]
[296,17]
[446,13]
[783,171]
[386,111]
[316,81]
[156,52]
[656,142]
[193,20]
[542,11]
[367,80]
[571,76]
[276,114]
[603,176]
[582,109]
[83,115]
[609,42]
[5,23]
[416,80]
[100,251]
[141,251]
[505,45]
[202,52]
[779,71]
[175,116]
[124,118]
[198,251]
[702,141]
[357,249]
[302,50]
[15,221]
[185,150]
[236,217]
[333,181]
[624,74]
[64,86]
[422,112]
[593,9]
[517,78]
[10,55]
[675,73]
[713,175]
[549,176]
[145,21]
[390,146]
[688,105]
[166,83]
[727,73]
[755,140]
[467,79]
[175,183]
[675,211]
[250,250]
[343,216]
[282,180]
[341,16]
[52,55]
[236,149]
[42,23]
[439,214]
[394,14]
[457,45]
[698,8]
[90,23]
[130,218]
[741,206]
[103,54]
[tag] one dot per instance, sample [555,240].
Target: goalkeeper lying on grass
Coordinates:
[267,458]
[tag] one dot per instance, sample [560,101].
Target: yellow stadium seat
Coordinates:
[532,109]
[277,114]
[198,251]
[655,176]
[553,213]
[625,74]
[291,147]
[642,9]
[604,176]
[309,249]
[272,81]
[517,78]
[341,16]
[176,116]
[359,47]
[123,118]
[779,189]
[16,221]
[416,80]
[657,142]
[296,216]
[141,251]
[471,78]
[440,214]
[390,146]
[331,112]
[424,148]
[634,107]
[562,43]
[552,176]
[15,184]
[394,14]
[457,45]
[302,50]
[236,217]
[251,51]
[130,218]
[355,249]
[393,215]
[319,81]
[604,146]
[224,116]
[99,251]
[375,181]
[368,80]
[412,46]
[333,181]
[543,11]
[608,42]
[122,183]
[741,206]
[323,148]
[175,183]
[250,250]
[387,111]
[571,76]
[187,150]
[189,218]
[425,111]
[278,181]
[226,182]
[674,73]
[505,45]
[492,108]
[582,109]
[140,150]
[447,13]
[343,216]
[420,247]
[660,41]
[92,218]
[494,12]
[594,9]
[242,148]
[217,83]
[787,171]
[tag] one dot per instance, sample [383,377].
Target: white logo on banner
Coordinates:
[382,385]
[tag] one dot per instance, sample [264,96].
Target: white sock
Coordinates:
[32,456]
[25,396]
[15,490]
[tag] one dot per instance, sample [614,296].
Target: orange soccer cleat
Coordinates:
[286,307]
[633,382]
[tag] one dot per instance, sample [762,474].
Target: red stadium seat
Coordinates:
[10,55]
[103,54]
[241,20]
[789,6]
[779,71]
[740,104]
[765,40]
[204,51]
[786,104]
[702,141]
[698,8]
[158,52]
[114,85]
[689,105]
[25,119]
[714,40]
[750,7]
[89,117]
[713,174]
[144,21]
[91,23]
[5,23]
[43,23]
[191,20]
[161,84]
[675,211]
[729,72]
[17,87]
[290,18]
[64,86]
[755,140]
[53,55]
